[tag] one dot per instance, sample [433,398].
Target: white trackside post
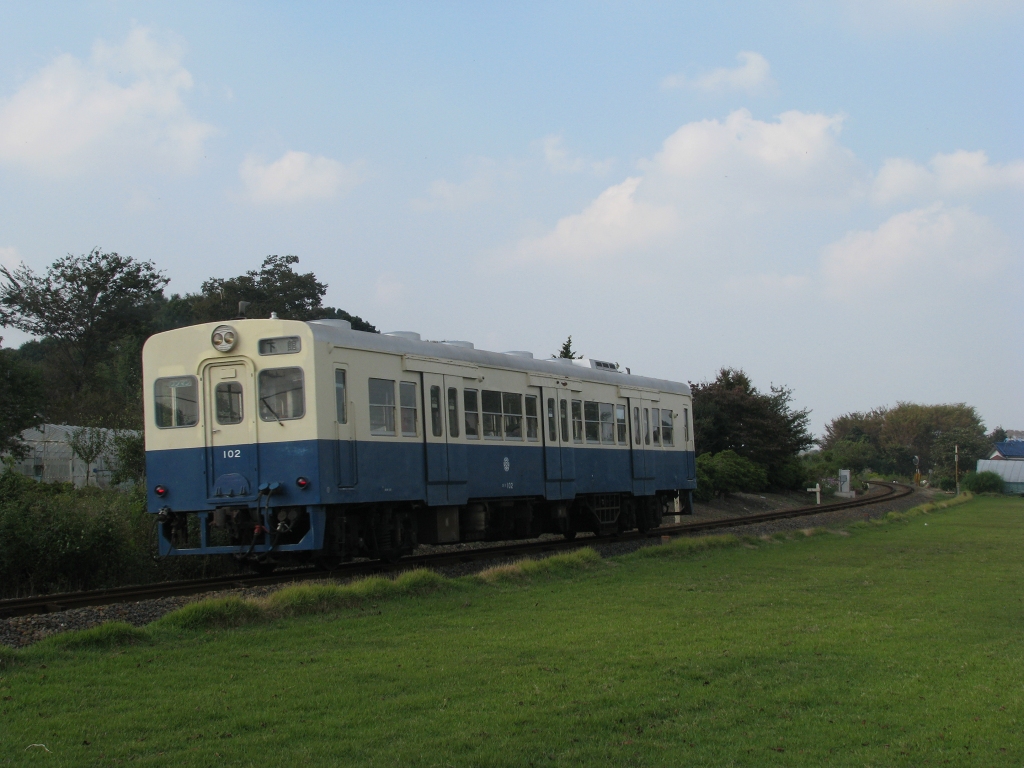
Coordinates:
[816,490]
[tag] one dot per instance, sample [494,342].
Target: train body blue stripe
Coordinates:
[342,472]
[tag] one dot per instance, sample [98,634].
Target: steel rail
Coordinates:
[40,604]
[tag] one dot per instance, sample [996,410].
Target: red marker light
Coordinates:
[160,491]
[302,483]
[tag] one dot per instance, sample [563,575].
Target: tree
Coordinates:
[274,287]
[88,443]
[908,430]
[83,305]
[972,444]
[21,402]
[997,435]
[729,413]
[567,352]
[727,472]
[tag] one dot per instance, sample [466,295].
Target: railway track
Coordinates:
[26,606]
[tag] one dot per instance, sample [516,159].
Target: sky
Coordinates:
[828,196]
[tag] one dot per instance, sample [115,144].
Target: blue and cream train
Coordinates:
[278,439]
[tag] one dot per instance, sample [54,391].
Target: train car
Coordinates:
[279,440]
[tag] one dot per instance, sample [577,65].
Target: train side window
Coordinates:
[564,415]
[577,421]
[453,411]
[591,422]
[176,402]
[228,398]
[552,422]
[686,424]
[492,414]
[435,411]
[636,425]
[407,395]
[340,395]
[472,409]
[656,425]
[382,407]
[620,422]
[666,427]
[281,394]
[607,423]
[647,426]
[512,405]
[532,421]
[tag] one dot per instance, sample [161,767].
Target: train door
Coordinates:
[458,475]
[640,441]
[567,428]
[345,446]
[230,431]
[435,414]
[554,478]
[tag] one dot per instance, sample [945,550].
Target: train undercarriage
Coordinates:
[266,537]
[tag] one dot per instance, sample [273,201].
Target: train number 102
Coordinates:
[236,454]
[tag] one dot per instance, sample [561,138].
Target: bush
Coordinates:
[946,483]
[983,482]
[727,472]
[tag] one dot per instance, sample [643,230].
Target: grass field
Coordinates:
[898,644]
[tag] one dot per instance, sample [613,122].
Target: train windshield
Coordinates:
[281,394]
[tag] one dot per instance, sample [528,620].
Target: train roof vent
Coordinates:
[466,344]
[520,353]
[601,365]
[407,335]
[343,324]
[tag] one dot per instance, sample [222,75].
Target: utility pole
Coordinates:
[956,460]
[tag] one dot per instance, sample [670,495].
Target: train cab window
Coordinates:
[435,412]
[563,413]
[686,425]
[552,424]
[281,394]
[340,396]
[176,402]
[492,414]
[531,417]
[591,422]
[620,423]
[382,407]
[453,411]
[228,399]
[577,421]
[407,398]
[607,423]
[512,406]
[636,425]
[656,425]
[666,427]
[472,408]
[647,426]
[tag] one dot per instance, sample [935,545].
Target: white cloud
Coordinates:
[753,75]
[958,174]
[125,104]
[559,160]
[713,180]
[296,177]
[481,185]
[929,246]
[614,223]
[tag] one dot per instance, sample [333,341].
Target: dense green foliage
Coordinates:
[983,482]
[731,414]
[888,439]
[889,646]
[21,401]
[55,538]
[91,315]
[727,472]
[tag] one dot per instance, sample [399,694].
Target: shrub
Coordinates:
[727,472]
[983,482]
[946,483]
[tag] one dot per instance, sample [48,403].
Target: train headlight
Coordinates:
[224,338]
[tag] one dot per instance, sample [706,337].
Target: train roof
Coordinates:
[340,333]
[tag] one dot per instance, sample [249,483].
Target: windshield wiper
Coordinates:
[272,412]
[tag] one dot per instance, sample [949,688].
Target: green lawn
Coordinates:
[899,644]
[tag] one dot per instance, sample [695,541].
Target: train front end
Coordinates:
[232,456]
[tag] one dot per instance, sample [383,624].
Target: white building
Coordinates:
[50,459]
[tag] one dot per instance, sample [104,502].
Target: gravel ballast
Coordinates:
[20,631]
